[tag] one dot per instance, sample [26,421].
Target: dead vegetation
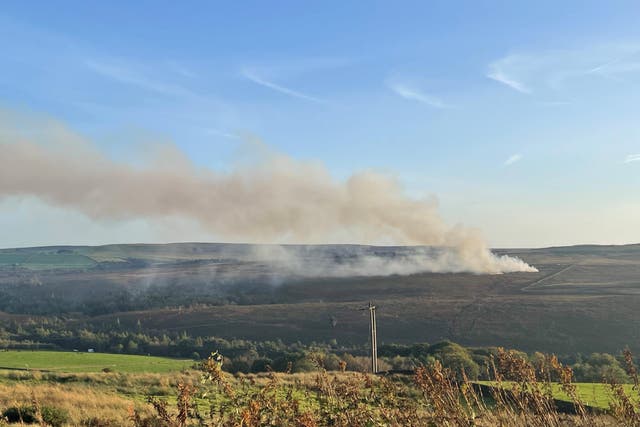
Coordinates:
[81,402]
[519,394]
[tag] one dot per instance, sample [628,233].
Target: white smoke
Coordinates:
[377,261]
[272,199]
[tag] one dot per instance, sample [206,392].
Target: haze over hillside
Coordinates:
[233,291]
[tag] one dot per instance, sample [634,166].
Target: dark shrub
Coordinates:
[98,422]
[55,417]
[151,422]
[261,365]
[17,414]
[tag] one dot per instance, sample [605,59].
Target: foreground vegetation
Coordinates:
[520,392]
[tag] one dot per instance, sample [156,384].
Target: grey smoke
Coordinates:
[270,199]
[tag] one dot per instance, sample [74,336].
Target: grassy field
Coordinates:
[593,394]
[55,361]
[596,395]
[45,260]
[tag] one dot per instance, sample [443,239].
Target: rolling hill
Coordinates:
[583,299]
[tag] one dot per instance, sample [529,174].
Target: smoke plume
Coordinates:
[270,199]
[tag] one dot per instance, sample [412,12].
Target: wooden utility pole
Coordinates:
[374,339]
[373,336]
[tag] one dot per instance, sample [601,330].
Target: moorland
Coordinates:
[583,299]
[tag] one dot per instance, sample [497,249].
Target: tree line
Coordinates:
[260,356]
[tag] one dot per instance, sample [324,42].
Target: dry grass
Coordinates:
[435,396]
[104,396]
[80,401]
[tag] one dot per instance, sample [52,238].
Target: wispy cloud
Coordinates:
[552,69]
[416,95]
[513,159]
[252,76]
[128,75]
[618,66]
[217,132]
[497,73]
[632,158]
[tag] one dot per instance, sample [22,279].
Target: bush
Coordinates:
[20,414]
[331,362]
[55,417]
[261,365]
[304,364]
[152,421]
[98,422]
[357,363]
[456,358]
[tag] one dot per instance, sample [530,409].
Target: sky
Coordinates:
[520,118]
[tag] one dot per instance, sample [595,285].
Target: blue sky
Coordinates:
[520,117]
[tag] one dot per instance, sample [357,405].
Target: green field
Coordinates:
[45,260]
[59,361]
[597,395]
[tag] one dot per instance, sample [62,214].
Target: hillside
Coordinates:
[583,299]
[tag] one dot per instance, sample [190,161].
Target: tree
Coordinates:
[132,347]
[456,358]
